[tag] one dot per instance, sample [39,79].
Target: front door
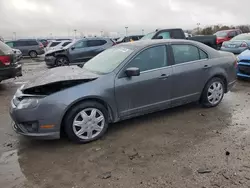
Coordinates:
[189,73]
[80,52]
[148,92]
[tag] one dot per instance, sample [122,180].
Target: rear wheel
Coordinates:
[33,54]
[86,122]
[62,61]
[213,92]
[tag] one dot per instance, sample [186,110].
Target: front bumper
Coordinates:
[44,136]
[243,70]
[50,60]
[30,121]
[11,72]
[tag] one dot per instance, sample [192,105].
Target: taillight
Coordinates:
[114,43]
[5,60]
[41,45]
[244,44]
[217,41]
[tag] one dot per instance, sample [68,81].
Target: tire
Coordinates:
[62,61]
[79,120]
[211,98]
[33,54]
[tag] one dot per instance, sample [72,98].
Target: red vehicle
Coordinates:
[226,35]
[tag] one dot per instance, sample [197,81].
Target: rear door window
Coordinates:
[20,43]
[32,43]
[203,55]
[92,43]
[164,35]
[185,53]
[81,44]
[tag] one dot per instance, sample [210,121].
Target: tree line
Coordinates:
[210,30]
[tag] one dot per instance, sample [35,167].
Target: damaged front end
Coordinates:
[50,82]
[51,88]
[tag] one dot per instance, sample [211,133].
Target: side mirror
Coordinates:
[72,48]
[132,71]
[159,37]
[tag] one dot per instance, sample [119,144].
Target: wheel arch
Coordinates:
[219,75]
[95,99]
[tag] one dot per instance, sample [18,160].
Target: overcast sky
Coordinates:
[61,17]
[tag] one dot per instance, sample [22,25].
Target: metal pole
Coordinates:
[14,33]
[198,25]
[126,31]
[101,33]
[142,31]
[75,32]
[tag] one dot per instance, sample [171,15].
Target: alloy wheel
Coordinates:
[62,61]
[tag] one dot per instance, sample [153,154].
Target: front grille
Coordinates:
[244,69]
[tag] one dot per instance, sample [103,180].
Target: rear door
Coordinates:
[96,46]
[22,46]
[189,73]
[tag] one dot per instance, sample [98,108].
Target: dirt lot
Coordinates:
[183,147]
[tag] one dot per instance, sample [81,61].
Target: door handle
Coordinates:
[206,66]
[164,76]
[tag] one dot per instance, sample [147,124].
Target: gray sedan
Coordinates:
[237,44]
[122,82]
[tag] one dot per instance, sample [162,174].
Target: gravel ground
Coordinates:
[188,146]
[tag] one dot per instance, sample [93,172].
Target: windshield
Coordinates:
[242,37]
[108,60]
[221,34]
[148,36]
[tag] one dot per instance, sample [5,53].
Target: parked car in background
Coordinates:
[44,42]
[28,47]
[128,38]
[78,52]
[124,81]
[243,67]
[9,66]
[237,44]
[18,54]
[177,33]
[226,35]
[57,45]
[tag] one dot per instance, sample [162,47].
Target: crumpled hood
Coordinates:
[55,50]
[60,74]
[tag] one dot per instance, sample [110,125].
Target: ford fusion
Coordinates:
[124,81]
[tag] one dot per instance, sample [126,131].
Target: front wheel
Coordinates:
[86,122]
[33,54]
[62,61]
[213,92]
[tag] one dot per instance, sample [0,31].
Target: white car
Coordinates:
[57,45]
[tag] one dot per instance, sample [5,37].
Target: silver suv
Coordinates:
[28,47]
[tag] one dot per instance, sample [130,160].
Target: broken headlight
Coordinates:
[28,103]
